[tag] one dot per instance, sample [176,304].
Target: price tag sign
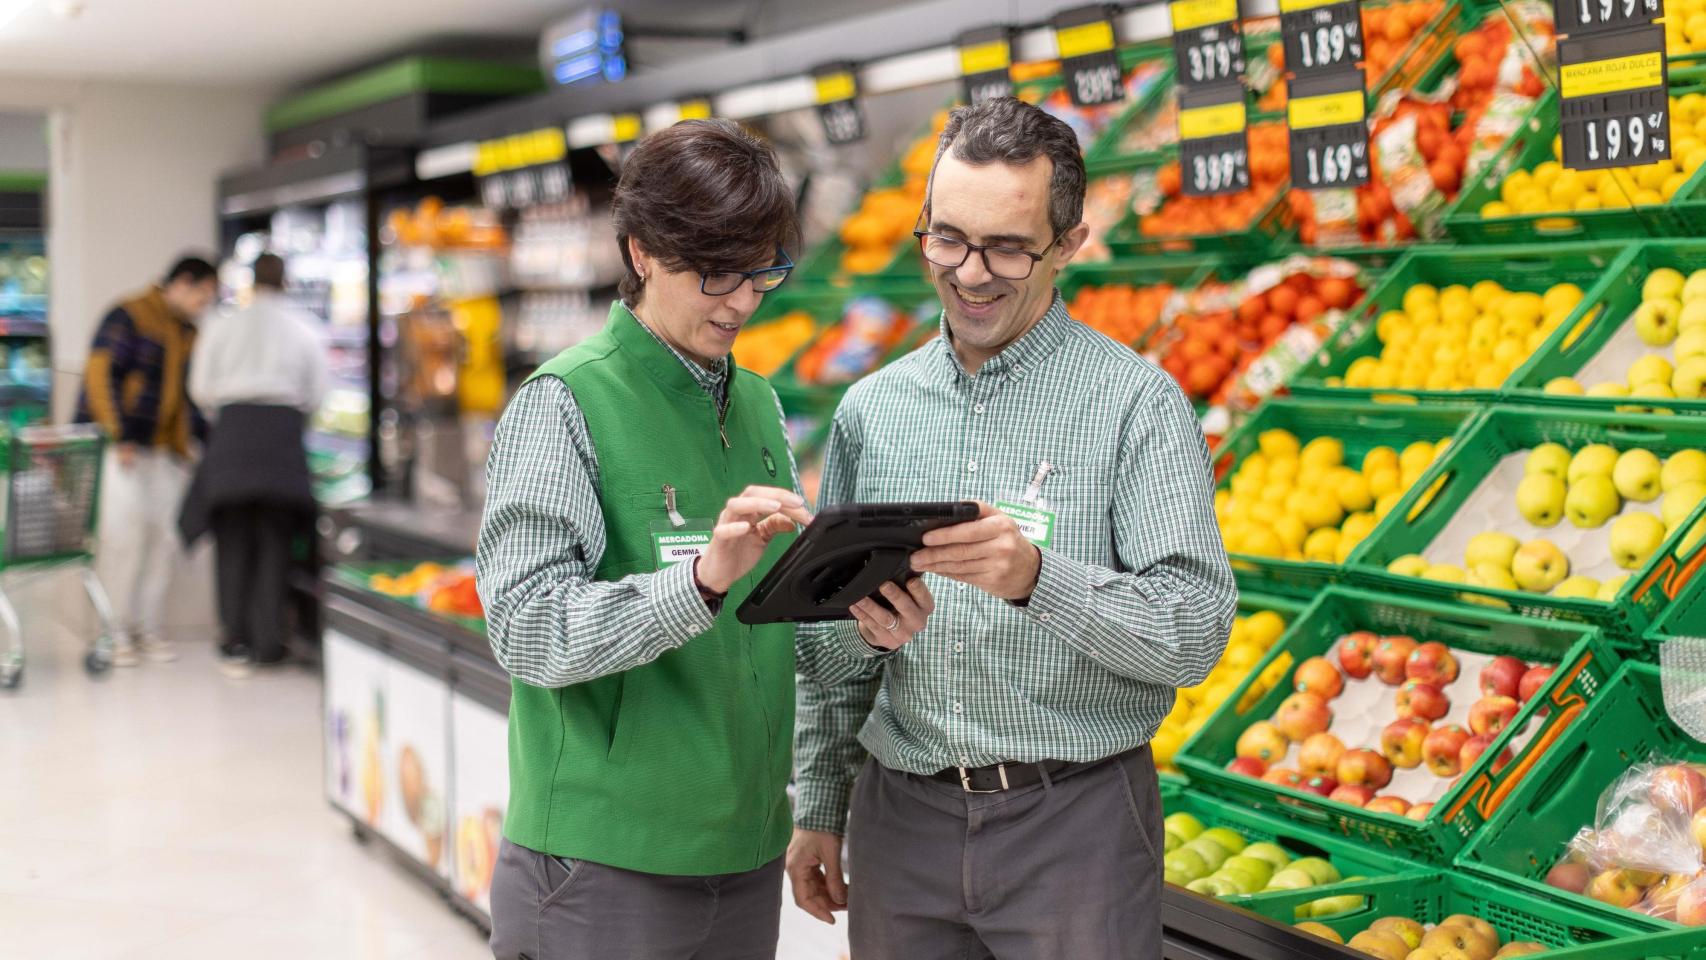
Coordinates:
[1321,35]
[625,127]
[1089,64]
[524,169]
[986,59]
[1214,145]
[1576,17]
[838,103]
[694,108]
[1207,42]
[1613,110]
[1328,116]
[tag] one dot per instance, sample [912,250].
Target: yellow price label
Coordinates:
[985,57]
[1192,14]
[625,127]
[695,109]
[832,87]
[546,145]
[1084,39]
[1612,76]
[1200,123]
[1327,110]
[1298,6]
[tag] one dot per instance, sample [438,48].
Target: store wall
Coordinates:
[23,142]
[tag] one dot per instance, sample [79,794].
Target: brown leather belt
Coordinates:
[1012,776]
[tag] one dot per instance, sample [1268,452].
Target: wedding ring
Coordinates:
[892,624]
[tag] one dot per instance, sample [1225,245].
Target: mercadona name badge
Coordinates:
[674,546]
[1035,523]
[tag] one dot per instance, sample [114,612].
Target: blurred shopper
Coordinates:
[260,373]
[134,388]
[635,485]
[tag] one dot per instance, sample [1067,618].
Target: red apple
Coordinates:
[1248,766]
[1490,715]
[1502,677]
[1319,677]
[1356,796]
[1284,777]
[1442,749]
[1389,657]
[1432,662]
[1262,741]
[1691,905]
[1571,875]
[1419,812]
[1319,755]
[1402,740]
[1388,804]
[1678,787]
[1356,653]
[1302,715]
[1531,682]
[1616,887]
[1477,745]
[1364,768]
[1320,786]
[1422,701]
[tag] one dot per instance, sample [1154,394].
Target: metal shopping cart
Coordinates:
[53,484]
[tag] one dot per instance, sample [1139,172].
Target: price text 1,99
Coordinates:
[1616,138]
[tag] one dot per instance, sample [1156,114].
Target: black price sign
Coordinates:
[1089,64]
[1207,43]
[1575,17]
[1321,35]
[1328,117]
[1214,146]
[1613,110]
[986,58]
[523,170]
[838,103]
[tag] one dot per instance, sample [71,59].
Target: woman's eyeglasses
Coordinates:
[721,283]
[1008,263]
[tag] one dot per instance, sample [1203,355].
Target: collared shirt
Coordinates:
[1135,596]
[550,623]
[270,352]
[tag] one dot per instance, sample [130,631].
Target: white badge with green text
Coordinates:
[1035,523]
[675,546]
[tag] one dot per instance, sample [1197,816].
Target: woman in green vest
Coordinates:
[639,484]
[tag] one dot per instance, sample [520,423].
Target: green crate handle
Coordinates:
[1634,435]
[1373,422]
[1553,790]
[1288,901]
[1578,337]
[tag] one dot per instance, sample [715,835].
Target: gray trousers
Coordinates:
[543,910]
[1063,871]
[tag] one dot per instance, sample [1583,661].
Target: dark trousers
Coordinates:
[1069,870]
[252,551]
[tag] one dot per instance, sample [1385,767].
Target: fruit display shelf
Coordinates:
[1567,932]
[1409,307]
[1472,491]
[443,591]
[1150,109]
[1359,428]
[1617,332]
[1582,664]
[1624,726]
[1680,213]
[1128,321]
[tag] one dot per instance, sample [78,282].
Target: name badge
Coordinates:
[675,546]
[1035,523]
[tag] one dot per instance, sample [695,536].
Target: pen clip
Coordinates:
[1034,490]
[675,517]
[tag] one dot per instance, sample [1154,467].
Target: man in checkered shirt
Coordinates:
[1008,807]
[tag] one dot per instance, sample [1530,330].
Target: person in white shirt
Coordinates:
[259,373]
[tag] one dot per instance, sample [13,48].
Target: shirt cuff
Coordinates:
[680,611]
[854,644]
[1061,600]
[821,805]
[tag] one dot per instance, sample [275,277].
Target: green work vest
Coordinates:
[679,766]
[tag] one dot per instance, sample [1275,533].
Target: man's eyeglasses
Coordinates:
[721,283]
[1008,263]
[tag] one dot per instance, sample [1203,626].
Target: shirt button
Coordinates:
[959,707]
[977,409]
[971,467]
[965,761]
[1043,617]
[959,647]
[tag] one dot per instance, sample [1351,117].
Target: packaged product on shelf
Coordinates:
[1643,851]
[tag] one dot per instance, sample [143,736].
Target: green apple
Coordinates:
[1540,498]
[1331,906]
[1609,590]
[1578,587]
[1201,885]
[1635,537]
[1224,887]
[1318,869]
[1692,342]
[1591,459]
[1271,853]
[1564,386]
[1663,284]
[1409,565]
[1695,287]
[1171,841]
[1609,388]
[1186,826]
[1229,839]
[1292,878]
[1255,865]
[1637,475]
[1186,863]
[1689,381]
[1656,321]
[1212,853]
[1539,566]
[1693,315]
[1679,503]
[1492,575]
[1553,458]
[1446,573]
[1651,368]
[1491,547]
[1592,500]
[1684,467]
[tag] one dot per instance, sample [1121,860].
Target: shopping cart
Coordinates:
[53,485]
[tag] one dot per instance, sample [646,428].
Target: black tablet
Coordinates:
[844,556]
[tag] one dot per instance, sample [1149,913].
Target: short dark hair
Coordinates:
[1006,130]
[269,271]
[702,195]
[191,270]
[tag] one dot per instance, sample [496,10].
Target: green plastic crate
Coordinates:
[1584,664]
[1625,725]
[1531,146]
[1686,615]
[1531,268]
[1429,897]
[1426,509]
[1563,356]
[1361,427]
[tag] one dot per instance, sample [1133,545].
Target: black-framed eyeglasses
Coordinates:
[1008,263]
[721,283]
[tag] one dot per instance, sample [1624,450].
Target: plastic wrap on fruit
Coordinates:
[1646,821]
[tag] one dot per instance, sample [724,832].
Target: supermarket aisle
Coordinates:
[170,813]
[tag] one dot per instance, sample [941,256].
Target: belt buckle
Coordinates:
[965,780]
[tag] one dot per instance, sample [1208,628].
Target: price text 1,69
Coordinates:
[1329,165]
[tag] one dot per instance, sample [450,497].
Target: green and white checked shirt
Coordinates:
[1135,595]
[542,537]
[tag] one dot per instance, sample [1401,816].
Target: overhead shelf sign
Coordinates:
[986,60]
[1578,17]
[1207,42]
[524,169]
[1614,105]
[1321,35]
[1328,116]
[1214,144]
[837,94]
[1089,62]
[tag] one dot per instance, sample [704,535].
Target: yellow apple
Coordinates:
[1577,587]
[1409,565]
[1689,380]
[1553,458]
[1650,369]
[1592,501]
[1637,475]
[1539,566]
[1656,321]
[1608,389]
[1684,467]
[1695,287]
[1491,547]
[1635,537]
[1609,590]
[1591,459]
[1540,498]
[1680,502]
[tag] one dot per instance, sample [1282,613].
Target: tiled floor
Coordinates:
[167,812]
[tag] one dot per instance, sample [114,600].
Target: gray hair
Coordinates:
[1006,130]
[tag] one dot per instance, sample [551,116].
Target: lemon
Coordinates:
[1278,445]
[1694,28]
[1652,176]
[1492,210]
[1525,308]
[1545,174]
[1513,185]
[1264,628]
[1426,316]
[1562,298]
[1361,372]
[1673,184]
[1323,451]
[1566,190]
[1531,200]
[1648,198]
[1558,147]
[1484,292]
[1588,203]
[1421,294]
[1378,458]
